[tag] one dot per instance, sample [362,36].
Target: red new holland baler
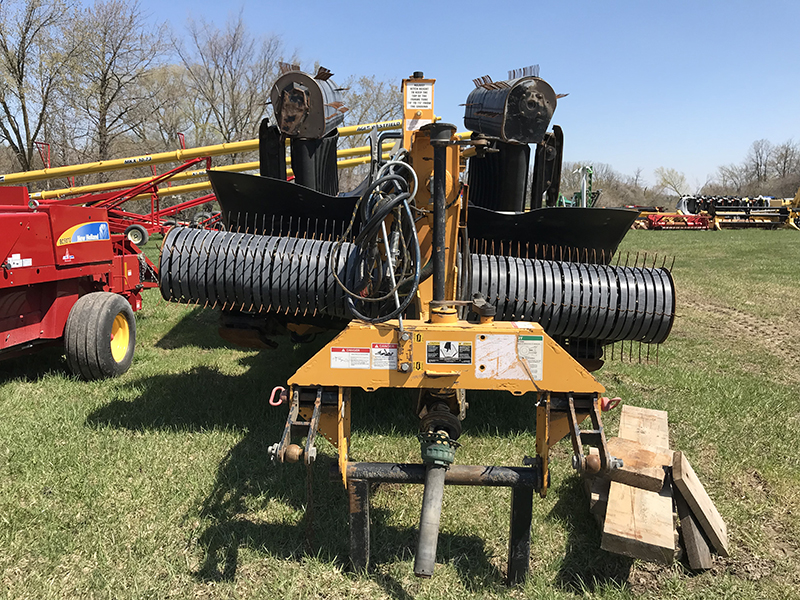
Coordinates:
[65,278]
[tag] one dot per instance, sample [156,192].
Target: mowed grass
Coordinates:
[158,484]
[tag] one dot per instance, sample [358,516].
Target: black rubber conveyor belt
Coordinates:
[253,272]
[293,275]
[578,300]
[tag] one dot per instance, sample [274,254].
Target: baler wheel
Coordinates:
[137,234]
[100,336]
[198,218]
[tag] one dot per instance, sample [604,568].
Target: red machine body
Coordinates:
[677,221]
[51,256]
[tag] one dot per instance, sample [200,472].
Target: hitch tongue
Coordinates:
[438,453]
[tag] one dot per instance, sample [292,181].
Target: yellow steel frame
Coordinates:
[490,359]
[498,360]
[438,351]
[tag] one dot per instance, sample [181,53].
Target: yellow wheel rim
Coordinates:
[120,337]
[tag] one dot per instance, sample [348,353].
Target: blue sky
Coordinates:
[679,84]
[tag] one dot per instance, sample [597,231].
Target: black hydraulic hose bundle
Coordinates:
[386,196]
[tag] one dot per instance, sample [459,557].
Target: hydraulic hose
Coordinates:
[425,560]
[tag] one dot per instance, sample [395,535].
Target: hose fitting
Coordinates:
[436,448]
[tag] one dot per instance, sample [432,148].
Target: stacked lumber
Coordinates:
[635,505]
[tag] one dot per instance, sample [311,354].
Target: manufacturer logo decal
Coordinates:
[93,231]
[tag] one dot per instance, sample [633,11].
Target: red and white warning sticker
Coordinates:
[384,356]
[350,358]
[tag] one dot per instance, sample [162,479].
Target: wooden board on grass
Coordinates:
[647,426]
[702,507]
[639,522]
[694,541]
[642,467]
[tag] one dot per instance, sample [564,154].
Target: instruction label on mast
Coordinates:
[419,96]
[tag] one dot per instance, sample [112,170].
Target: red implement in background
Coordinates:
[139,227]
[65,277]
[677,221]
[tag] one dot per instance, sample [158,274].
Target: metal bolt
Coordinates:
[577,463]
[405,367]
[405,337]
[272,452]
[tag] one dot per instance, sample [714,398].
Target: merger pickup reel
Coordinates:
[432,284]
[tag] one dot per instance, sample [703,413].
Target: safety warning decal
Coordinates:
[15,261]
[449,352]
[531,349]
[384,356]
[350,358]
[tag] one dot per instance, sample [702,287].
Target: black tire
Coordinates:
[198,218]
[170,223]
[91,350]
[137,234]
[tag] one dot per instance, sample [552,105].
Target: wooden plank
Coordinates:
[647,426]
[701,505]
[642,467]
[639,522]
[598,496]
[596,489]
[695,542]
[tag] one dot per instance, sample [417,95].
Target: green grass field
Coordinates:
[158,485]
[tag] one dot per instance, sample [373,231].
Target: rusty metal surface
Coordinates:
[518,110]
[479,475]
[306,106]
[358,501]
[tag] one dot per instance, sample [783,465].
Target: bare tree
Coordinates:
[732,178]
[636,179]
[171,110]
[758,160]
[36,49]
[785,159]
[230,72]
[671,180]
[118,50]
[369,100]
[616,188]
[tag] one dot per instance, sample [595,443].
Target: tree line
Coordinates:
[103,81]
[767,169]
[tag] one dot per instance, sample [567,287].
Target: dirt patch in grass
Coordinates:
[775,337]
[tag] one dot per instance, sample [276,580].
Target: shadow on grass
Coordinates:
[247,482]
[34,365]
[197,328]
[584,568]
[247,485]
